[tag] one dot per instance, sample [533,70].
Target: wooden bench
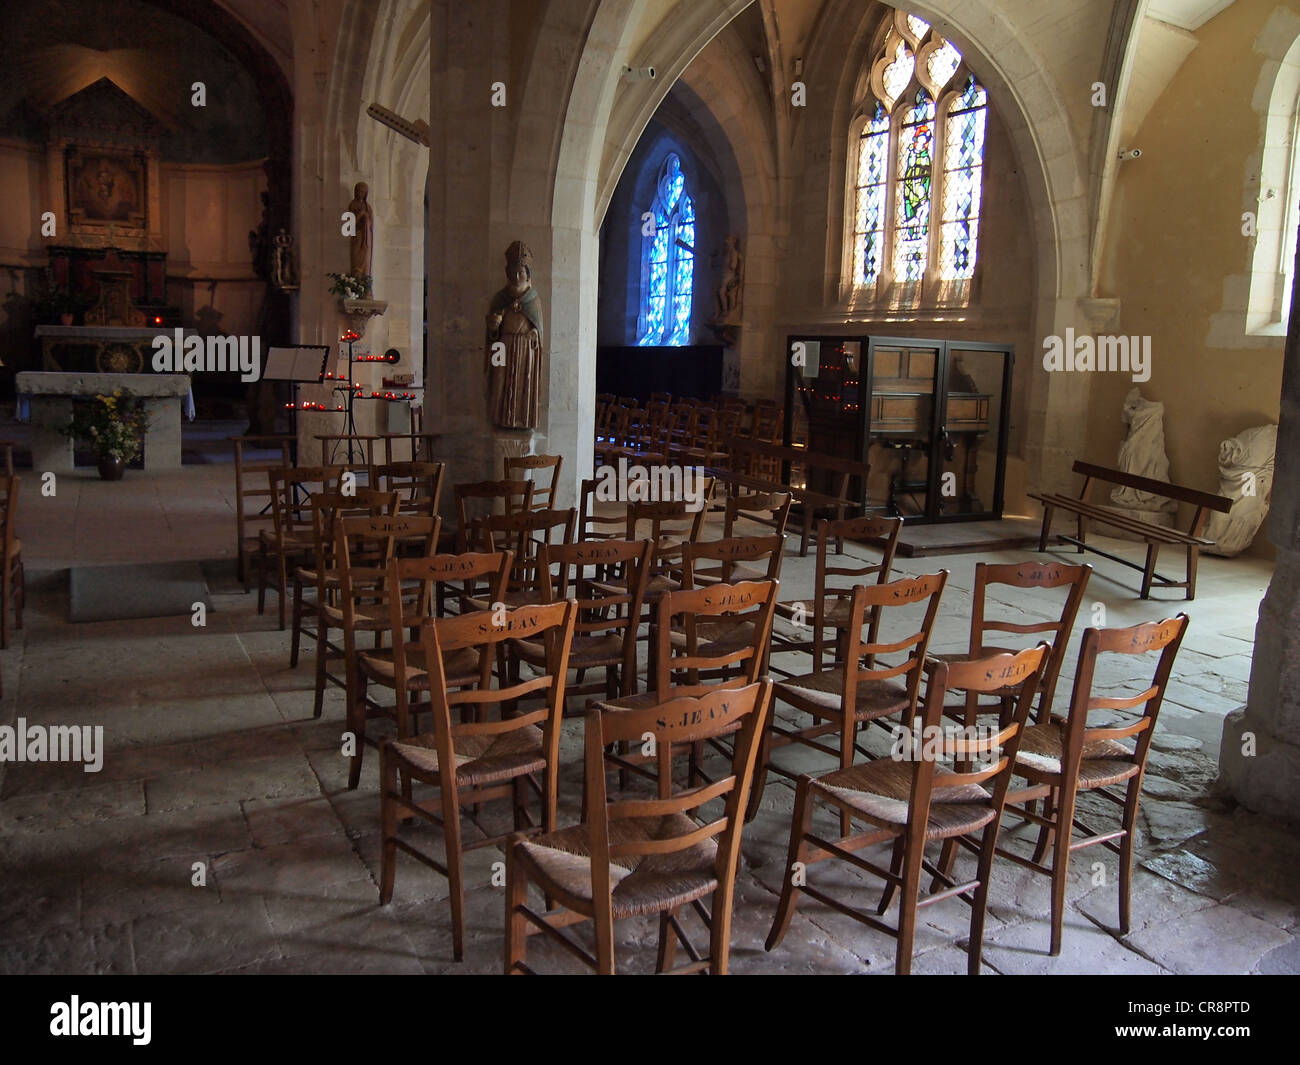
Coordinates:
[1155,536]
[810,502]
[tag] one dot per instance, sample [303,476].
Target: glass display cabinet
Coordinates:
[928,415]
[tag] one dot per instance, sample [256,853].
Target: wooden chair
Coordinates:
[738,558]
[357,451]
[526,534]
[490,758]
[646,855]
[850,694]
[765,508]
[832,593]
[605,631]
[319,571]
[1061,758]
[402,666]
[290,537]
[504,497]
[253,496]
[419,445]
[591,524]
[419,488]
[526,467]
[692,663]
[909,801]
[13,586]
[363,548]
[1056,633]
[670,525]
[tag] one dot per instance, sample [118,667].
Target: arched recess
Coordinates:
[1273,259]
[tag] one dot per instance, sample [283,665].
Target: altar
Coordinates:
[49,398]
[103,348]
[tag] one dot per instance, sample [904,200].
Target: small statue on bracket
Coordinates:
[284,262]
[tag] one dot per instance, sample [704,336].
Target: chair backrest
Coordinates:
[505,497]
[288,514]
[666,524]
[591,524]
[526,533]
[869,607]
[417,443]
[363,547]
[419,579]
[675,726]
[484,631]
[1055,632]
[983,755]
[1164,636]
[328,509]
[604,605]
[8,516]
[335,448]
[252,494]
[728,553]
[418,484]
[766,508]
[745,602]
[526,467]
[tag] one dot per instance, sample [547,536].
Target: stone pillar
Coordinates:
[1259,760]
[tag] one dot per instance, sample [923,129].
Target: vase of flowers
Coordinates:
[351,286]
[114,426]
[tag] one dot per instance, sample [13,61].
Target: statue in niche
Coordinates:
[1143,454]
[514,345]
[1245,475]
[284,262]
[725,322]
[362,249]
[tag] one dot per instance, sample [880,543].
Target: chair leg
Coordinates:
[799,827]
[284,589]
[356,721]
[322,640]
[848,737]
[720,929]
[388,819]
[895,867]
[667,942]
[20,596]
[913,852]
[1126,846]
[455,866]
[1061,864]
[760,773]
[1047,832]
[261,578]
[1148,574]
[975,948]
[516,923]
[296,640]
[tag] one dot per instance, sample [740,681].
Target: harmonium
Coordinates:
[927,415]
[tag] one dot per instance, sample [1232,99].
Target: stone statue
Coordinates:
[1246,475]
[284,266]
[514,345]
[363,239]
[1143,454]
[727,303]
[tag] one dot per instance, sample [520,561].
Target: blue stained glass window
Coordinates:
[869,231]
[669,262]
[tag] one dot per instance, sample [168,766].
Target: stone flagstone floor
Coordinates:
[213,757]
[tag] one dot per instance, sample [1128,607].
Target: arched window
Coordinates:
[917,160]
[668,260]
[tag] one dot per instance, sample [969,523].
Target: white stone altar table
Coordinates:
[50,397]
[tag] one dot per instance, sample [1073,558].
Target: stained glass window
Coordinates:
[915,176]
[962,179]
[920,162]
[669,261]
[869,232]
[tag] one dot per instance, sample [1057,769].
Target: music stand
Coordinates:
[296,363]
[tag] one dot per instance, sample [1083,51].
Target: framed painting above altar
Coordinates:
[106,187]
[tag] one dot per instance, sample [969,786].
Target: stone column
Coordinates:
[1259,760]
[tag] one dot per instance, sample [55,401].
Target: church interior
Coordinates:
[752,486]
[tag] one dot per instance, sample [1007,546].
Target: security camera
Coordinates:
[639,73]
[1125,154]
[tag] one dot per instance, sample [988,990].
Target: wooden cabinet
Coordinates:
[928,415]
